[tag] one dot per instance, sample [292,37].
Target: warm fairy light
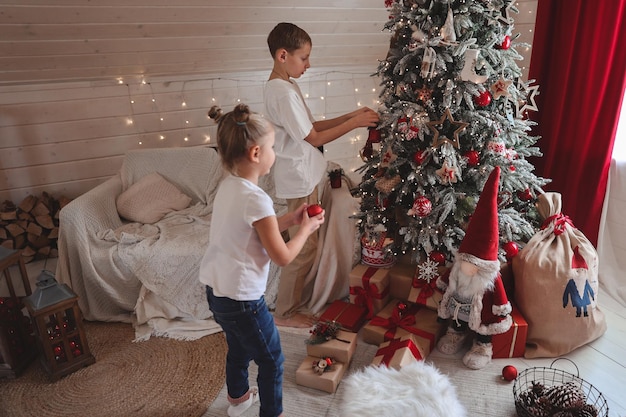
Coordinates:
[358,104]
[120,81]
[143,82]
[161,119]
[184,104]
[186,139]
[187,121]
[321,97]
[153,100]
[161,137]
[132,102]
[129,121]
[356,90]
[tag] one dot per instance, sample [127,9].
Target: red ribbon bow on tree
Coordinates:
[560,220]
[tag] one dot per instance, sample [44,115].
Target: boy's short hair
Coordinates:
[288,36]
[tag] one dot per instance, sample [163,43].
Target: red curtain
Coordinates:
[579,63]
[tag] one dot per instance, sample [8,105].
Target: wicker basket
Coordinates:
[550,377]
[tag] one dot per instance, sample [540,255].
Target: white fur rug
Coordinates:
[416,390]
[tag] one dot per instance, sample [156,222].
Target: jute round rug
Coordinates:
[157,377]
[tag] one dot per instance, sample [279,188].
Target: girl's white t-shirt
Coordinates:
[299,166]
[235,264]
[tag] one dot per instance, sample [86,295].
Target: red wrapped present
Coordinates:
[349,316]
[512,343]
[309,375]
[405,284]
[398,352]
[341,347]
[399,319]
[369,288]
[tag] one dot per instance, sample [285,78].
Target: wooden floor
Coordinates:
[602,362]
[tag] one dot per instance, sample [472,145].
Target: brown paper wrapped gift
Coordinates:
[327,381]
[369,288]
[340,348]
[405,284]
[349,316]
[399,319]
[398,353]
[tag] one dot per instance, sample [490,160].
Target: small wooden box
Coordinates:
[328,381]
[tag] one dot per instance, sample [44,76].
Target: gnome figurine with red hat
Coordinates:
[474,299]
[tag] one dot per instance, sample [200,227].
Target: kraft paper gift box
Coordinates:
[340,348]
[512,343]
[399,319]
[405,284]
[327,381]
[398,353]
[347,315]
[369,288]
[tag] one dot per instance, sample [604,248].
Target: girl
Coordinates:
[245,235]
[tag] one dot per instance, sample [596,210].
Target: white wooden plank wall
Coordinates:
[72,77]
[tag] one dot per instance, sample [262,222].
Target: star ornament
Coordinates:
[446,174]
[529,103]
[501,88]
[449,128]
[505,14]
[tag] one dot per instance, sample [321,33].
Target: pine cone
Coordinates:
[565,396]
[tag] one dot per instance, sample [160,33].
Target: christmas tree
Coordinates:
[453,107]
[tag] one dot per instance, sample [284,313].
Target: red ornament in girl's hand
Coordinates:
[509,372]
[314,209]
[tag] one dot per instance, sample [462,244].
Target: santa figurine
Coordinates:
[474,301]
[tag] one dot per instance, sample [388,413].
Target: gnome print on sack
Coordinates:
[578,276]
[474,299]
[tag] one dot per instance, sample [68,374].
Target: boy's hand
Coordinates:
[366,117]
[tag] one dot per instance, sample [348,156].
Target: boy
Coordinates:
[299,166]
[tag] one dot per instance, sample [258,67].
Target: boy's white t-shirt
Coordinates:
[299,166]
[235,264]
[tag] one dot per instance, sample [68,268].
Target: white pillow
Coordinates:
[150,198]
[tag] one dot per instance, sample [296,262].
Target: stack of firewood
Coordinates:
[32,226]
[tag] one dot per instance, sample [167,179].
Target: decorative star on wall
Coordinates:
[445,132]
[500,88]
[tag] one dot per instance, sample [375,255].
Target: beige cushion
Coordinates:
[150,198]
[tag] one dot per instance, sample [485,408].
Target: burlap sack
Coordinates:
[556,285]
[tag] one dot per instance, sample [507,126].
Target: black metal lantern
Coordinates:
[59,326]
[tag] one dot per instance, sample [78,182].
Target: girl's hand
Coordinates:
[311,224]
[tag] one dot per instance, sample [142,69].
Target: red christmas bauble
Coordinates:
[510,249]
[509,373]
[420,157]
[438,257]
[506,43]
[58,350]
[525,195]
[473,157]
[314,209]
[422,206]
[483,99]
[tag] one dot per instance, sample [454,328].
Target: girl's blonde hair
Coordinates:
[237,131]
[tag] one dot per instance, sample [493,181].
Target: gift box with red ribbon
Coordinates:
[398,352]
[400,319]
[405,284]
[369,288]
[512,343]
[349,316]
[341,347]
[327,380]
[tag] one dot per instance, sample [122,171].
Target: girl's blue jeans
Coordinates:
[251,335]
